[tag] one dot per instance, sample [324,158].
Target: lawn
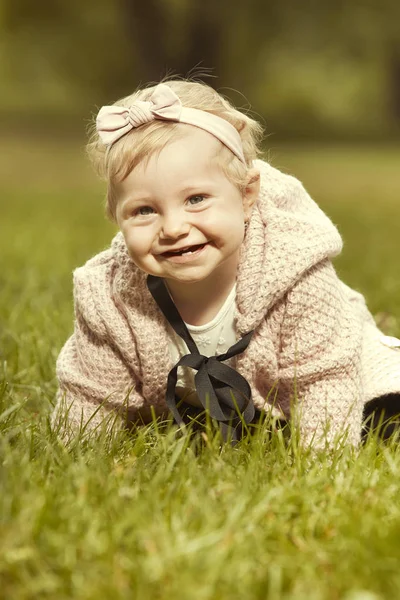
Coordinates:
[154,515]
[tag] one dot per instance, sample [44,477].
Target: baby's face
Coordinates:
[181,218]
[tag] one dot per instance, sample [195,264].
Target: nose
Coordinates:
[174,225]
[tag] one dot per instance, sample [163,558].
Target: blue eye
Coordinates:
[197,199]
[143,211]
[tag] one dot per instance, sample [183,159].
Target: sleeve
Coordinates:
[96,387]
[320,359]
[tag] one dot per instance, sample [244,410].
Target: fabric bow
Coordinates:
[113,122]
[222,391]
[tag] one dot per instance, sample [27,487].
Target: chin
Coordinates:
[187,277]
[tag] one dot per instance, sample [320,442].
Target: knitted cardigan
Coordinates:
[316,354]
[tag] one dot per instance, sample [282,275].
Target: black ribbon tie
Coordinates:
[223,392]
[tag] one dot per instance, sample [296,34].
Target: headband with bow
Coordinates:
[113,122]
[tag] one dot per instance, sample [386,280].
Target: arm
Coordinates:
[94,385]
[97,384]
[320,358]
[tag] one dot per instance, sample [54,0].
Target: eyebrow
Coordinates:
[186,190]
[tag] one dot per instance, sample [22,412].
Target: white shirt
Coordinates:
[213,338]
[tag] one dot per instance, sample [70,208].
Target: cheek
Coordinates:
[228,235]
[138,243]
[231,222]
[229,217]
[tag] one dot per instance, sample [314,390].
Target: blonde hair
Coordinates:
[113,164]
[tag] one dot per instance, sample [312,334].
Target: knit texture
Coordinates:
[315,356]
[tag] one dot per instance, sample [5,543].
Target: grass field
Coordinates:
[153,515]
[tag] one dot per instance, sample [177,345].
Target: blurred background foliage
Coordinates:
[310,69]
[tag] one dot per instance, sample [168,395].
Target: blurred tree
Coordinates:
[305,66]
[394,70]
[176,37]
[58,55]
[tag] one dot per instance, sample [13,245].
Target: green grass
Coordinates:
[153,515]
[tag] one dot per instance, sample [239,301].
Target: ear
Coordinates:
[251,191]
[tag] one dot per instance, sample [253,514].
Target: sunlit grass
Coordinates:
[152,514]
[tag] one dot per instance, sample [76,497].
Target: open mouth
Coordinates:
[187,250]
